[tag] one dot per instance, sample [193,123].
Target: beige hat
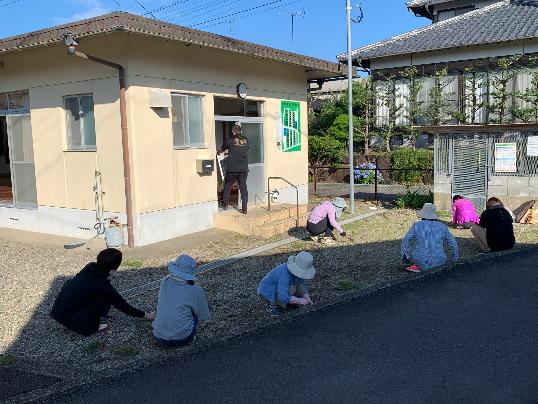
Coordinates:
[300,265]
[428,212]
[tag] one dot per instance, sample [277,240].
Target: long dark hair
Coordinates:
[494,203]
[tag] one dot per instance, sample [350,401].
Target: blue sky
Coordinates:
[321,32]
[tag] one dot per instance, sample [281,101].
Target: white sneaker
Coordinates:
[327,240]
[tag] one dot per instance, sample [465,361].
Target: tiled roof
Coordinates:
[505,21]
[125,22]
[424,3]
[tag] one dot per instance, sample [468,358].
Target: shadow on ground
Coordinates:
[47,357]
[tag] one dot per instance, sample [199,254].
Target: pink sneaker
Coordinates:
[413,268]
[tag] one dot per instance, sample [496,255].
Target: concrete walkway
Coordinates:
[465,335]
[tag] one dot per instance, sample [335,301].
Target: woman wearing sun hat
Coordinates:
[181,305]
[323,220]
[429,236]
[286,284]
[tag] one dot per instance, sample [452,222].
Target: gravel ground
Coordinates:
[31,277]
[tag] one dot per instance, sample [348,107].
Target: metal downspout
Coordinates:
[124,137]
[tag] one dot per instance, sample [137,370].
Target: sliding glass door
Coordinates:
[21,155]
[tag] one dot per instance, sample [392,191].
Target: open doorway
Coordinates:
[249,114]
[223,130]
[6,187]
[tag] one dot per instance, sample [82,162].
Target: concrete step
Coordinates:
[257,217]
[272,229]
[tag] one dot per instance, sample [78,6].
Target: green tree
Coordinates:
[386,95]
[339,130]
[324,151]
[501,93]
[529,112]
[414,105]
[439,109]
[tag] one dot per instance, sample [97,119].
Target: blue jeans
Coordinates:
[176,343]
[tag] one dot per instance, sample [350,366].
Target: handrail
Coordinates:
[289,183]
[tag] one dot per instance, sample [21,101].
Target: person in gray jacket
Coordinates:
[181,305]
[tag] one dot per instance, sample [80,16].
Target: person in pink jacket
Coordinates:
[463,212]
[323,220]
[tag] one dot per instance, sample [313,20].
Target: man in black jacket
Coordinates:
[86,299]
[237,167]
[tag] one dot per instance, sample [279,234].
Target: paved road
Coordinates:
[466,336]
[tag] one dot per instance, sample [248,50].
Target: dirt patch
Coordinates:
[31,278]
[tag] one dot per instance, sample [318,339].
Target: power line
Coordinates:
[145,9]
[167,6]
[194,12]
[249,15]
[9,4]
[244,11]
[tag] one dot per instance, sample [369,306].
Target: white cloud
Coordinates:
[89,9]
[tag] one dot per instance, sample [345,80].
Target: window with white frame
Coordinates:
[80,122]
[187,121]
[402,94]
[382,91]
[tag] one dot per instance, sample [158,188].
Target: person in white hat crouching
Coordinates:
[429,236]
[181,305]
[286,284]
[323,219]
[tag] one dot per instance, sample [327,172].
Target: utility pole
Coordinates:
[350,109]
[293,15]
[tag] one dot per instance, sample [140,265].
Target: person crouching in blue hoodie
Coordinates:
[286,284]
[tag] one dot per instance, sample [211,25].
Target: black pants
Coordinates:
[323,226]
[241,179]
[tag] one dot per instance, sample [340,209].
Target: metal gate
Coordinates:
[470,168]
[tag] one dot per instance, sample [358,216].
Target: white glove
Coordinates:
[298,301]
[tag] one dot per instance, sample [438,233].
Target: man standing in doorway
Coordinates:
[237,166]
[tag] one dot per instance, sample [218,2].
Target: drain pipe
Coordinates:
[71,50]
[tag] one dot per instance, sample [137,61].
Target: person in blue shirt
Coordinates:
[428,237]
[286,284]
[181,305]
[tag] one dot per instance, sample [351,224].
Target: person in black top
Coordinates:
[86,299]
[237,167]
[495,231]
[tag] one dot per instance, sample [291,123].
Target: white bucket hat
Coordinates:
[300,265]
[339,204]
[183,267]
[428,212]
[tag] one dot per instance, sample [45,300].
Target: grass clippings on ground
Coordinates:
[348,285]
[7,359]
[126,351]
[94,346]
[133,264]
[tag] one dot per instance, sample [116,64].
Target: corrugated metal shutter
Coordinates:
[470,173]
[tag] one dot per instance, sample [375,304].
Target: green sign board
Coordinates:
[291,125]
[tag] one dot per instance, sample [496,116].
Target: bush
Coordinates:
[412,200]
[413,163]
[324,151]
[340,129]
[364,173]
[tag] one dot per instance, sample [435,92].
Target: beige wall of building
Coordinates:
[163,178]
[177,68]
[65,179]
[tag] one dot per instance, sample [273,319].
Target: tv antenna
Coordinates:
[294,14]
